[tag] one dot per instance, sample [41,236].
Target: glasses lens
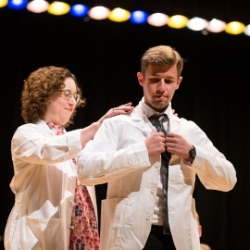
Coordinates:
[67,95]
[78,98]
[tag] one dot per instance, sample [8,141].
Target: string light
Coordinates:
[58,8]
[135,17]
[3,3]
[17,4]
[158,19]
[138,17]
[235,28]
[99,13]
[38,6]
[79,10]
[247,30]
[216,26]
[197,24]
[119,15]
[177,21]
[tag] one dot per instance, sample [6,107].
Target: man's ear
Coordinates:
[179,82]
[140,78]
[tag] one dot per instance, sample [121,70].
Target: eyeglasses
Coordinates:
[66,94]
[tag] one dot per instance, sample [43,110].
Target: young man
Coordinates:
[127,152]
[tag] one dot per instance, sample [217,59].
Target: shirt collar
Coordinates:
[148,111]
[57,129]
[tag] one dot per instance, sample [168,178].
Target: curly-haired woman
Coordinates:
[52,210]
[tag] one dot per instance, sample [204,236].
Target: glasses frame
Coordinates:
[66,94]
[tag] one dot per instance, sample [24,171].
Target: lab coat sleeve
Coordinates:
[213,169]
[31,144]
[111,154]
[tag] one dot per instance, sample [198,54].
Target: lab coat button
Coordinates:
[157,165]
[148,218]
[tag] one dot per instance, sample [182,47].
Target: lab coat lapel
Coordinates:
[42,124]
[92,194]
[140,120]
[174,123]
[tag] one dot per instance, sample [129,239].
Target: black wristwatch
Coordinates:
[192,154]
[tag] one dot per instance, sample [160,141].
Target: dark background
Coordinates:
[105,57]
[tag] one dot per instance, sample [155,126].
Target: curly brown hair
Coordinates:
[39,87]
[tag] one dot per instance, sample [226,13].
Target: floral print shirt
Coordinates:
[84,229]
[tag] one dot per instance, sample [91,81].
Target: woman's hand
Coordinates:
[176,114]
[120,110]
[89,132]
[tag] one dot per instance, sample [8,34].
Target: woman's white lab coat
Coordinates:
[44,186]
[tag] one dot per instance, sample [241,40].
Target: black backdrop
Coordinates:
[105,57]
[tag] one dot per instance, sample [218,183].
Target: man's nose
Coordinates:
[161,84]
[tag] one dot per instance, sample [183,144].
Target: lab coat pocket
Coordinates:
[123,209]
[116,217]
[107,219]
[117,212]
[120,221]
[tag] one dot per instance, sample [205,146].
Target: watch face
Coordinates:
[192,152]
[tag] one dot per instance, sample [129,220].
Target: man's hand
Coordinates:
[155,143]
[177,145]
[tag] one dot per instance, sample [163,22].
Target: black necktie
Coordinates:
[157,121]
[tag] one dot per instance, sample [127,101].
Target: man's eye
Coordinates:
[154,80]
[168,81]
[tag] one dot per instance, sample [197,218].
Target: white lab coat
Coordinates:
[118,155]
[44,186]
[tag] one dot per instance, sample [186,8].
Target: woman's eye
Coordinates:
[67,93]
